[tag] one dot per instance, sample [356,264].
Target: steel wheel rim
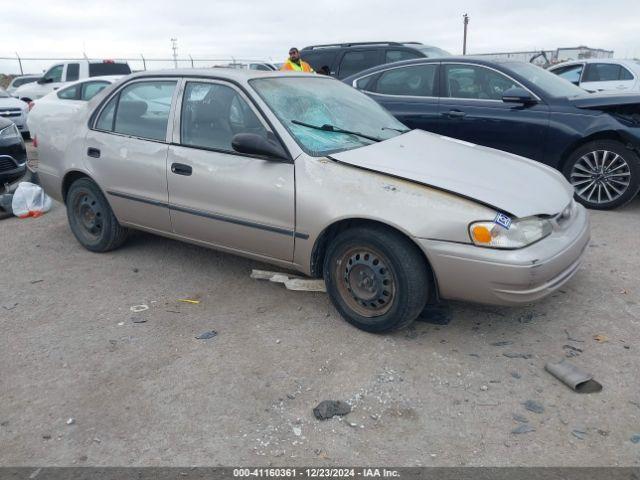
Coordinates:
[89,215]
[365,281]
[600,176]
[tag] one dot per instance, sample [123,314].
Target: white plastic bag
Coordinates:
[29,200]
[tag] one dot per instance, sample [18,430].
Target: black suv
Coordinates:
[343,59]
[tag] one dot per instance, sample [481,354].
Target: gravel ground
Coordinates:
[82,383]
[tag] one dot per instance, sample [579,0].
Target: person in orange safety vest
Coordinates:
[295,63]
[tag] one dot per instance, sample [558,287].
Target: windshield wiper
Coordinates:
[331,128]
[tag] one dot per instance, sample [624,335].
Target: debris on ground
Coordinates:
[579,432]
[297,431]
[189,300]
[570,338]
[71,421]
[139,308]
[573,377]
[524,428]
[520,418]
[635,438]
[138,319]
[33,282]
[526,356]
[484,388]
[501,344]
[29,200]
[329,408]
[533,406]
[571,351]
[516,375]
[291,282]
[600,338]
[207,335]
[10,306]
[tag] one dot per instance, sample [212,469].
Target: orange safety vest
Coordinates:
[303,67]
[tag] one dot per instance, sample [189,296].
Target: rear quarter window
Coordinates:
[100,69]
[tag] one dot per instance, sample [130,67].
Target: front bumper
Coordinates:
[510,277]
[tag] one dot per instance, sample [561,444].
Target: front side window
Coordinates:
[91,89]
[212,114]
[354,62]
[325,103]
[73,72]
[417,81]
[472,81]
[571,73]
[69,93]
[143,109]
[54,74]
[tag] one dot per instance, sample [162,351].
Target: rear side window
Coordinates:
[73,72]
[416,81]
[212,114]
[625,74]
[91,89]
[397,55]
[473,81]
[321,60]
[602,72]
[100,69]
[354,62]
[141,109]
[69,93]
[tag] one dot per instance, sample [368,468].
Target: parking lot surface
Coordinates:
[86,381]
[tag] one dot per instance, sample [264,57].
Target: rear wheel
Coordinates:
[604,173]
[376,278]
[91,219]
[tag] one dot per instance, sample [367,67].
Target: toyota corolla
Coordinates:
[307,173]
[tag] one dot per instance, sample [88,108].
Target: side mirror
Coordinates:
[517,95]
[44,80]
[254,144]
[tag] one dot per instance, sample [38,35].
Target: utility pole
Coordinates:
[174,47]
[464,44]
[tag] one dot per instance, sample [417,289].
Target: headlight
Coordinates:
[10,132]
[519,233]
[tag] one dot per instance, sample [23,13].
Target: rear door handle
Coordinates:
[181,169]
[93,152]
[454,114]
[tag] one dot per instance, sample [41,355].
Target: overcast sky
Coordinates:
[266,29]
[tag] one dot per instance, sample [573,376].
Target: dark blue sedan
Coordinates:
[518,107]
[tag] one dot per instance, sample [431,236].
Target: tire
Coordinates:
[91,219]
[604,173]
[393,286]
[26,135]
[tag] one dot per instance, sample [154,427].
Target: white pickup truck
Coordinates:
[65,72]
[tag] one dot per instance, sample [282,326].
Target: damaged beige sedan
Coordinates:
[307,173]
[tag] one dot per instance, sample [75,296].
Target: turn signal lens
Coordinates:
[481,234]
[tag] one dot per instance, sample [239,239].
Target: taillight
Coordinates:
[35,142]
[31,104]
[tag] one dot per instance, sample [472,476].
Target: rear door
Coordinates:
[218,196]
[599,77]
[410,93]
[127,152]
[354,61]
[471,109]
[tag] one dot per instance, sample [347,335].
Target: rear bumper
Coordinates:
[509,277]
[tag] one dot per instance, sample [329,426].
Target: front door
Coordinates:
[471,109]
[127,151]
[217,195]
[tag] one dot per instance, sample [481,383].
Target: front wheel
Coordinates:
[604,173]
[376,278]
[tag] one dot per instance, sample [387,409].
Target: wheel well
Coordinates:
[69,178]
[605,135]
[320,248]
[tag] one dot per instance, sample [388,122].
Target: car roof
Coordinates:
[621,61]
[232,74]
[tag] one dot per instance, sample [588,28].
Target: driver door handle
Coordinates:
[181,169]
[454,114]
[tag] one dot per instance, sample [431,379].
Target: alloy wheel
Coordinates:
[600,176]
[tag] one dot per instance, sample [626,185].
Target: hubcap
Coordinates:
[89,214]
[600,176]
[365,281]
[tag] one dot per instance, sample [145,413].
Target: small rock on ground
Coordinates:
[329,408]
[533,406]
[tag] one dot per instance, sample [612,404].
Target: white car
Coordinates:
[601,74]
[63,73]
[55,108]
[19,81]
[15,110]
[261,66]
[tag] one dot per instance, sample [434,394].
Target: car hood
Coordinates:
[598,100]
[503,181]
[11,103]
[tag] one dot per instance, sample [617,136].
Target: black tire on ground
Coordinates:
[26,135]
[91,219]
[604,173]
[376,278]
